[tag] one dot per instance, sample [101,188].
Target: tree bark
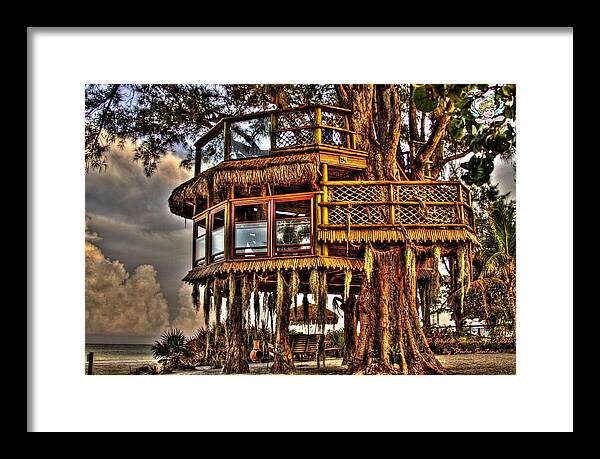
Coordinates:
[392,340]
[350,335]
[282,362]
[236,360]
[376,120]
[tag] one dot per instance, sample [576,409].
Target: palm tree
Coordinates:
[499,260]
[171,350]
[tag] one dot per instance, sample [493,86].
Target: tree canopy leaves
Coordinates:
[437,124]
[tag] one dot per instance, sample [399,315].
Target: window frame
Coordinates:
[211,216]
[259,201]
[299,197]
[198,261]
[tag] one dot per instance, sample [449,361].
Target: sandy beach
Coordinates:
[457,364]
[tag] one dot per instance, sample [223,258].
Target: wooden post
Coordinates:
[228,223]
[318,221]
[462,208]
[194,229]
[392,208]
[226,139]
[348,135]
[318,125]
[198,161]
[90,368]
[324,209]
[273,127]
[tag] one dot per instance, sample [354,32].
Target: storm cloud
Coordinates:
[118,303]
[131,213]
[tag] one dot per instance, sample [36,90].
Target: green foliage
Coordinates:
[478,169]
[335,338]
[159,118]
[424,99]
[171,350]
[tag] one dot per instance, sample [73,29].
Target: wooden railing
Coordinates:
[381,204]
[264,133]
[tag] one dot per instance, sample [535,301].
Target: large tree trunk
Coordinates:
[391,339]
[376,119]
[236,360]
[282,362]
[349,307]
[425,303]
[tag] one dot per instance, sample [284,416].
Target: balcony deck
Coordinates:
[363,211]
[278,132]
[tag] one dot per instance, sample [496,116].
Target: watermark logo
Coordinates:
[484,108]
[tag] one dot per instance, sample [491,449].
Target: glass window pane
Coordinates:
[292,226]
[213,152]
[250,236]
[200,249]
[218,235]
[200,240]
[251,138]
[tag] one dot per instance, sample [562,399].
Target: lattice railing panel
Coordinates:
[358,193]
[333,137]
[333,119]
[435,193]
[297,137]
[405,214]
[287,120]
[431,215]
[359,215]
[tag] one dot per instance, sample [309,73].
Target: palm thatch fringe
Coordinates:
[202,273]
[397,235]
[231,296]
[280,288]
[411,268]
[256,301]
[282,170]
[293,289]
[433,286]
[218,298]
[322,304]
[368,261]
[196,297]
[347,282]
[246,300]
[313,285]
[206,305]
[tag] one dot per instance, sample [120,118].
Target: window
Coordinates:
[251,138]
[217,241]
[200,241]
[293,227]
[251,230]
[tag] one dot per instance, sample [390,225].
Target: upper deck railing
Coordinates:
[265,133]
[380,204]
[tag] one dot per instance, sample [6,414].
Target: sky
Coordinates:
[137,252]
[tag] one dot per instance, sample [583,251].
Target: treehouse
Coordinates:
[283,191]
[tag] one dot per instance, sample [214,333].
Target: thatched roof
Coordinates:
[275,170]
[356,235]
[201,273]
[297,315]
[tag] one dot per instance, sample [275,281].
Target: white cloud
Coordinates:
[187,319]
[117,303]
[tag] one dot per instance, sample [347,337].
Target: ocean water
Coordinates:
[112,359]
